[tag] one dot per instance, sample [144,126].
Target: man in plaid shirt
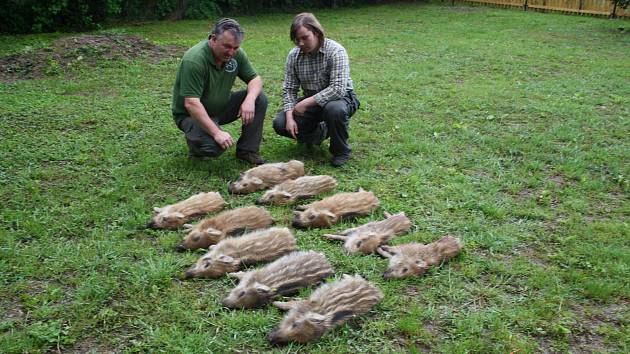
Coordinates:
[319,66]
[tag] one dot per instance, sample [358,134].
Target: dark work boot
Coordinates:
[195,157]
[252,157]
[340,160]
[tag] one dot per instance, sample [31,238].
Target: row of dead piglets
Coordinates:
[331,304]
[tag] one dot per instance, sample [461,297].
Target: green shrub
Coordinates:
[202,9]
[164,7]
[33,16]
[56,15]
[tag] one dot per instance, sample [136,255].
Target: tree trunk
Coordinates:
[178,14]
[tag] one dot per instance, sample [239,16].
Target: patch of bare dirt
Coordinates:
[408,341]
[90,345]
[588,337]
[546,346]
[532,255]
[559,180]
[39,287]
[11,311]
[411,292]
[588,342]
[595,219]
[616,312]
[82,50]
[525,194]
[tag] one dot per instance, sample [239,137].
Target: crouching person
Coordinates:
[320,67]
[203,101]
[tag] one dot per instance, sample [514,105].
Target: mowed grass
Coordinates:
[507,129]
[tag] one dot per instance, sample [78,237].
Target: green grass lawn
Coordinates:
[507,129]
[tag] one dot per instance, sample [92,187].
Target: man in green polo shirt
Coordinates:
[203,101]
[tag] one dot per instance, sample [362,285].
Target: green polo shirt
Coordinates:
[199,76]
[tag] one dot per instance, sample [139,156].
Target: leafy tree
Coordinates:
[28,16]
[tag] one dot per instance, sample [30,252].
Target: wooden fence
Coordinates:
[585,7]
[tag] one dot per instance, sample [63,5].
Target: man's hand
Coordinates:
[291,126]
[223,138]
[300,108]
[247,110]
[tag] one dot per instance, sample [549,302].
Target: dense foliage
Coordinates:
[28,16]
[22,16]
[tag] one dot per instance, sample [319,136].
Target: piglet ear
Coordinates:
[315,318]
[257,181]
[285,305]
[262,289]
[213,232]
[225,259]
[335,237]
[282,305]
[385,251]
[237,275]
[188,226]
[286,195]
[301,207]
[329,214]
[361,189]
[175,216]
[157,210]
[421,264]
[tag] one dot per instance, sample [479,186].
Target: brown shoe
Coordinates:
[252,157]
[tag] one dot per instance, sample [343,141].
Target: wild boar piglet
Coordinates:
[175,215]
[367,237]
[265,176]
[289,191]
[331,210]
[286,275]
[330,305]
[229,254]
[414,259]
[212,230]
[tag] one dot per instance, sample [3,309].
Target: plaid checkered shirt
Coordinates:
[324,74]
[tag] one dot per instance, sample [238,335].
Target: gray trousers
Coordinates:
[202,144]
[336,114]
